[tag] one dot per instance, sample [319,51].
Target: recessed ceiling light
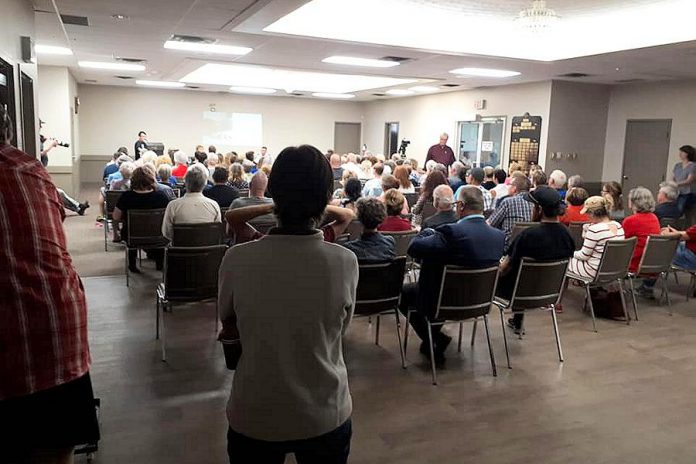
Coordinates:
[339,96]
[52,50]
[399,92]
[287,79]
[206,48]
[111,66]
[120,17]
[365,62]
[164,84]
[253,90]
[424,88]
[483,72]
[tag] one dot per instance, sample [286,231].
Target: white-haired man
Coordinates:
[557,181]
[667,204]
[443,200]
[441,152]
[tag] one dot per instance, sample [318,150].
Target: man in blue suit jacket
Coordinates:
[470,242]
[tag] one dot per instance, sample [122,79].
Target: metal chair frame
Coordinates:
[140,242]
[109,211]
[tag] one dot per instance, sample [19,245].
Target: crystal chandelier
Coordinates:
[538,17]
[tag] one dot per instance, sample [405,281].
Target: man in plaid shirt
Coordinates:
[46,400]
[513,208]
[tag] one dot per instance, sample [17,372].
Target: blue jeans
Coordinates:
[686,201]
[331,448]
[685,258]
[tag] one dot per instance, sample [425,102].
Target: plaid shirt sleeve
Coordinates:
[43,333]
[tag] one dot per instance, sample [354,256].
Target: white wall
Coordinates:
[55,109]
[422,119]
[663,100]
[111,116]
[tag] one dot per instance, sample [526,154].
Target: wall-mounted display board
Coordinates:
[524,140]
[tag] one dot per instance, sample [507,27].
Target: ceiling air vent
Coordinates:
[129,60]
[91,81]
[194,87]
[450,85]
[191,39]
[297,94]
[379,94]
[575,75]
[125,78]
[398,59]
[74,20]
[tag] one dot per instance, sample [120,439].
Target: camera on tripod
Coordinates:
[402,148]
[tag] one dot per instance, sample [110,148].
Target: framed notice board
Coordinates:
[524,140]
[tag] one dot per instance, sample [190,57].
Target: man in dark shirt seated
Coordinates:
[470,242]
[112,166]
[548,241]
[372,246]
[443,200]
[667,206]
[221,192]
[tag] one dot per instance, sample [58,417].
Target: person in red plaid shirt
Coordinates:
[46,400]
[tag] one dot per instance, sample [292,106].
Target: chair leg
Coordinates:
[127,273]
[459,342]
[432,353]
[106,232]
[473,331]
[490,345]
[663,277]
[520,336]
[157,317]
[406,330]
[398,338]
[163,340]
[588,300]
[623,302]
[556,333]
[632,289]
[507,352]
[217,316]
[377,331]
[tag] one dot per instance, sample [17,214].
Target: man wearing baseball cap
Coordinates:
[548,241]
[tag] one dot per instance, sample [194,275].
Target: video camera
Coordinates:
[59,143]
[402,148]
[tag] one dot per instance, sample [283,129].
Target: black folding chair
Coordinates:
[144,231]
[190,274]
[110,199]
[194,235]
[518,227]
[402,240]
[411,199]
[379,293]
[576,229]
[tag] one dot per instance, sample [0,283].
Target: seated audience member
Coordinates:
[123,183]
[685,258]
[538,178]
[365,169]
[46,398]
[181,160]
[475,177]
[488,181]
[389,182]
[516,208]
[549,241]
[441,168]
[117,175]
[257,196]
[612,191]
[426,195]
[306,385]
[667,204]
[373,187]
[576,181]
[192,208]
[601,229]
[372,246]
[575,199]
[389,167]
[394,201]
[164,175]
[557,180]
[501,189]
[220,191]
[229,159]
[148,156]
[141,196]
[340,193]
[211,162]
[641,223]
[165,159]
[336,166]
[200,155]
[415,175]
[470,243]
[351,194]
[112,166]
[71,204]
[236,178]
[513,168]
[443,200]
[457,175]
[160,187]
[405,185]
[351,164]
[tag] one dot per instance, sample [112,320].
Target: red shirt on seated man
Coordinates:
[394,201]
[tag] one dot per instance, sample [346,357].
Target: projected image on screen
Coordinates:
[233,129]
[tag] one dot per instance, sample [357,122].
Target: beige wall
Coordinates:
[422,119]
[112,116]
[663,100]
[577,124]
[55,110]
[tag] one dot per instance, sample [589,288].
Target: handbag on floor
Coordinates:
[607,303]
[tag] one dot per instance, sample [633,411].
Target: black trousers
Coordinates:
[331,448]
[409,301]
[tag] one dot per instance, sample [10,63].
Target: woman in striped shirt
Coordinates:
[585,262]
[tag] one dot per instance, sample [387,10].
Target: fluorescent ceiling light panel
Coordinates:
[339,96]
[399,92]
[240,75]
[207,48]
[52,50]
[364,62]
[622,26]
[424,88]
[484,72]
[163,84]
[253,90]
[111,66]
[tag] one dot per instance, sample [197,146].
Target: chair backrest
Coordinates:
[354,229]
[402,240]
[538,283]
[263,226]
[676,223]
[428,210]
[379,286]
[615,260]
[145,228]
[110,199]
[518,227]
[411,199]
[195,235]
[191,273]
[575,229]
[343,238]
[244,193]
[466,293]
[658,255]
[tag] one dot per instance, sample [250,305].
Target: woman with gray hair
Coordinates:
[181,161]
[126,170]
[641,223]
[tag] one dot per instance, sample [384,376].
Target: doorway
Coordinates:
[480,142]
[645,153]
[7,95]
[391,138]
[28,114]
[347,137]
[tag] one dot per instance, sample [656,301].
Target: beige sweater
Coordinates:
[294,297]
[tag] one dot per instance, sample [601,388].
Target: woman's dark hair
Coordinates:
[250,156]
[301,185]
[554,211]
[539,178]
[200,156]
[122,150]
[690,152]
[434,179]
[353,189]
[614,189]
[371,212]
[6,127]
[220,175]
[576,196]
[500,176]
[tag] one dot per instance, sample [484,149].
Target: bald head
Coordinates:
[443,197]
[257,187]
[471,201]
